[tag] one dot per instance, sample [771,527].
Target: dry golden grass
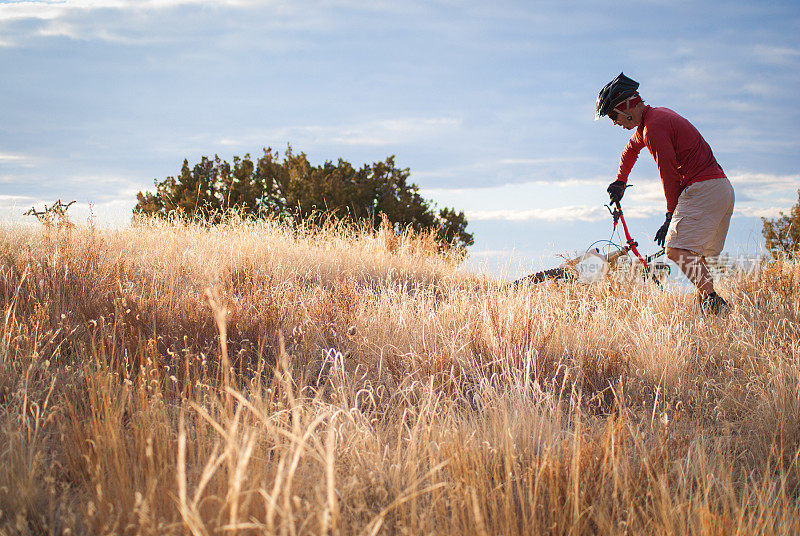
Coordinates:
[174,379]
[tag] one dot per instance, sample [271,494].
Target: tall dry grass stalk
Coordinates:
[248,378]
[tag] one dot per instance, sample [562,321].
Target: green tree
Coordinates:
[783,234]
[292,189]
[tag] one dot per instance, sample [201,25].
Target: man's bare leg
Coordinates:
[694,267]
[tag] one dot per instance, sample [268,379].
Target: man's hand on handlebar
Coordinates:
[616,190]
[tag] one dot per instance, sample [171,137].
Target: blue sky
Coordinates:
[489,104]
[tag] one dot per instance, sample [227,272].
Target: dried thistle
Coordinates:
[54,214]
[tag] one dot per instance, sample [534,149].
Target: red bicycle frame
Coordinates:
[632,244]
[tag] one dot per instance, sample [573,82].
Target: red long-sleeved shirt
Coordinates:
[682,155]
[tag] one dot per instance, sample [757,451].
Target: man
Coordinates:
[699,195]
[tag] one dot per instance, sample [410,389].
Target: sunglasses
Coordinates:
[613,115]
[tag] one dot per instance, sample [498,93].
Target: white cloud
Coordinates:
[539,161]
[369,134]
[59,28]
[31,10]
[45,9]
[717,70]
[508,188]
[758,212]
[517,171]
[755,138]
[587,213]
[781,56]
[15,198]
[762,89]
[10,157]
[129,22]
[768,180]
[395,131]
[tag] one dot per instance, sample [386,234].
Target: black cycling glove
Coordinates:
[616,190]
[661,234]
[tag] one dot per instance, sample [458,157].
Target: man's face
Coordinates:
[623,121]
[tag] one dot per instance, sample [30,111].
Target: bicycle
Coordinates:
[594,264]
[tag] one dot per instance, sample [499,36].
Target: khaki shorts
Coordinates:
[701,219]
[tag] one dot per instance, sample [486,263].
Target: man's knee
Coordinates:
[675,254]
[679,254]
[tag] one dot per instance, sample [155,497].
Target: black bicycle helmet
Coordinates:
[615,92]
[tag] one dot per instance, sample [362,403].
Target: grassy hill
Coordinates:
[248,378]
